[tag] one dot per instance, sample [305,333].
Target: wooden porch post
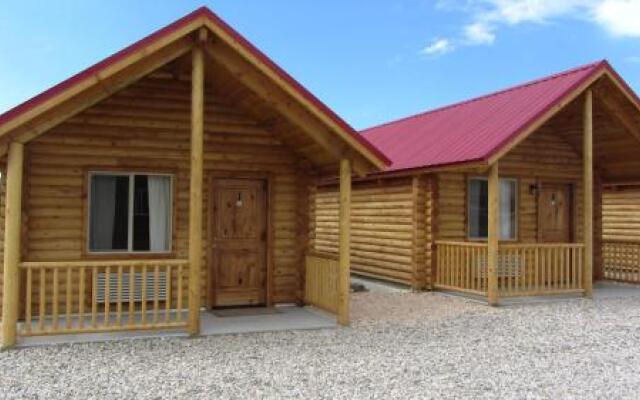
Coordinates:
[493,234]
[12,234]
[344,277]
[195,191]
[587,170]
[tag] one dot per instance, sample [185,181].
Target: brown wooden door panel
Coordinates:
[555,213]
[238,243]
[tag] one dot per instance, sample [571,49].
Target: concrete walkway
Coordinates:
[280,318]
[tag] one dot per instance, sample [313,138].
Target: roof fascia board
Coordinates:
[538,121]
[96,78]
[623,87]
[469,166]
[379,161]
[107,87]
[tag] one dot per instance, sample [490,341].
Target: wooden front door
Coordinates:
[238,242]
[555,213]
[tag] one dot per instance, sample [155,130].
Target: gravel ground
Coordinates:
[416,345]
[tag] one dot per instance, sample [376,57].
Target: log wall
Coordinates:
[386,241]
[146,127]
[621,214]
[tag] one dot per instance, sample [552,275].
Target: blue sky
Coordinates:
[371,61]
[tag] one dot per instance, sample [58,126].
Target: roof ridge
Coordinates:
[536,81]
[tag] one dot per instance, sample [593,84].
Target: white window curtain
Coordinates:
[159,189]
[103,209]
[507,211]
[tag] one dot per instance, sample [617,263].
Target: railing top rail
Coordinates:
[542,246]
[464,244]
[511,245]
[102,263]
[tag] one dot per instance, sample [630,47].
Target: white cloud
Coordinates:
[479,33]
[618,17]
[438,46]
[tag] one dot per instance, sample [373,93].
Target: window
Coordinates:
[130,212]
[478,199]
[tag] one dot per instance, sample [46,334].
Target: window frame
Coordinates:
[516,235]
[131,175]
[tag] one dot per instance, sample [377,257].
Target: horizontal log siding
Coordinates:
[541,157]
[146,128]
[382,228]
[621,214]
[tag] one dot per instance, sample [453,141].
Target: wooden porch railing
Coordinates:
[523,269]
[461,266]
[621,261]
[100,296]
[321,282]
[532,269]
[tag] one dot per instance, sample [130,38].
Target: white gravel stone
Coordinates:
[400,345]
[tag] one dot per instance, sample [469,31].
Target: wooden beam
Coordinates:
[624,90]
[587,171]
[98,82]
[613,106]
[102,89]
[416,282]
[344,270]
[545,117]
[281,102]
[12,236]
[196,188]
[269,72]
[493,234]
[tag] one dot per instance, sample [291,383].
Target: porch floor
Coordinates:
[281,319]
[604,289]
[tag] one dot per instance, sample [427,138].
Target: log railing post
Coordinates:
[12,246]
[587,171]
[196,185]
[344,280]
[493,234]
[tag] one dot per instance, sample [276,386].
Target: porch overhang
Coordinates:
[327,134]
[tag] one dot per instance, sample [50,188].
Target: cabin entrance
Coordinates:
[238,242]
[555,213]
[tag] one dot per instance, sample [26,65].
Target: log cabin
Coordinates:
[172,176]
[497,196]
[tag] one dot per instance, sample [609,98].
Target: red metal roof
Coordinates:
[157,35]
[475,129]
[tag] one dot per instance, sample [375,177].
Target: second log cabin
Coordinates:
[498,195]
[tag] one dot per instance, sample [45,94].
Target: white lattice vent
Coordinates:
[127,291]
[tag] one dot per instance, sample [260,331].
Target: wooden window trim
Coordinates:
[127,254]
[516,237]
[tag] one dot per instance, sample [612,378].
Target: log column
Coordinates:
[344,277]
[493,234]
[587,171]
[195,188]
[12,235]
